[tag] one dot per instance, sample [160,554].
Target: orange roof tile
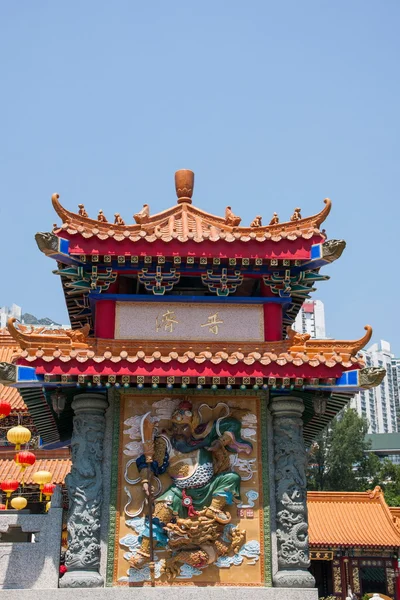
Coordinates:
[8,350]
[58,467]
[395,512]
[13,396]
[185,222]
[297,349]
[351,519]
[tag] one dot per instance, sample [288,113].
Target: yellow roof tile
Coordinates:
[351,519]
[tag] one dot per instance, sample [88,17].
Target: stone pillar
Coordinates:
[85,491]
[290,494]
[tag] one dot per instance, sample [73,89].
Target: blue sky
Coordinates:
[272,104]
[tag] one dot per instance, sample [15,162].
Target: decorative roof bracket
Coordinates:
[157,281]
[222,283]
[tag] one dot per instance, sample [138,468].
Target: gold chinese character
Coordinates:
[212,323]
[166,322]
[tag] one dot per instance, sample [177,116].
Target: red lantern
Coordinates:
[9,486]
[48,490]
[5,409]
[2,507]
[24,459]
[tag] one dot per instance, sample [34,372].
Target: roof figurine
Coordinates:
[296,216]
[184,184]
[82,212]
[230,218]
[101,217]
[257,222]
[143,215]
[274,220]
[118,219]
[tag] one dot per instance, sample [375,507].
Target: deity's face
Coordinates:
[182,419]
[181,431]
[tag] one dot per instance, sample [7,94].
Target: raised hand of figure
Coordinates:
[146,488]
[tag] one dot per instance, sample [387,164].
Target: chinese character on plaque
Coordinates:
[212,323]
[167,321]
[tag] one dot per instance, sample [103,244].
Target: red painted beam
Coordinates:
[295,250]
[190,369]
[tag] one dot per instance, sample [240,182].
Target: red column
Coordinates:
[272,317]
[396,565]
[105,319]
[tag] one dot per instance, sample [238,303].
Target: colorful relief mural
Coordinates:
[199,458]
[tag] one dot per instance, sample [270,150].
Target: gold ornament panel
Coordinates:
[189,321]
[227,564]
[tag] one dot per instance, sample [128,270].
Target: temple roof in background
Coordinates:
[351,519]
[9,349]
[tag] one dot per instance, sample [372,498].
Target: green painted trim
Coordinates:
[265,488]
[113,493]
[192,392]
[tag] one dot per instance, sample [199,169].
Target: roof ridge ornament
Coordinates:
[184,184]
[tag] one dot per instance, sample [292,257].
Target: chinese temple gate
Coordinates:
[189,395]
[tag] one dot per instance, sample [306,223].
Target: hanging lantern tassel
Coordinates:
[48,506]
[9,486]
[41,478]
[24,459]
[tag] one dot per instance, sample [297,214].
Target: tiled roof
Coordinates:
[298,349]
[9,349]
[395,512]
[184,222]
[351,519]
[13,396]
[58,467]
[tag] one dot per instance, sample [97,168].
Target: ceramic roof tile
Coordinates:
[74,345]
[13,396]
[351,519]
[58,467]
[185,222]
[9,349]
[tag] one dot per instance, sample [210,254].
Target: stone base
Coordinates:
[81,579]
[294,579]
[166,593]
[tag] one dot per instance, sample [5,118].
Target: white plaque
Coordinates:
[189,321]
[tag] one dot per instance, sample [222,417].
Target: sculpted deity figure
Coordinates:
[101,217]
[190,515]
[118,219]
[275,219]
[82,211]
[256,222]
[296,216]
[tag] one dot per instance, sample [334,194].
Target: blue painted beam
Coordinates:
[94,297]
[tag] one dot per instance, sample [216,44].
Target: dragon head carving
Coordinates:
[47,242]
[370,377]
[333,249]
[8,373]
